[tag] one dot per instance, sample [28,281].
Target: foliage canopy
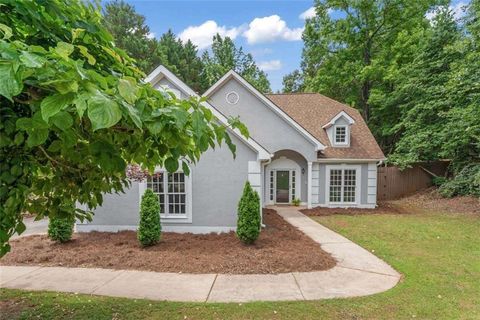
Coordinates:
[74,112]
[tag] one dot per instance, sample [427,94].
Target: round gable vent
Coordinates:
[232,97]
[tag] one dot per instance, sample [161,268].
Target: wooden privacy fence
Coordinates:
[392,183]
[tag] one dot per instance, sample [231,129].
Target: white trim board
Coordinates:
[346,160]
[338,116]
[162,72]
[232,74]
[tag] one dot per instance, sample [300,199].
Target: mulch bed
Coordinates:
[430,199]
[383,208]
[280,248]
[420,202]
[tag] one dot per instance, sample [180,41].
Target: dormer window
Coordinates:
[341,135]
[338,130]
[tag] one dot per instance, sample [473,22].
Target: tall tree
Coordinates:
[293,82]
[343,57]
[423,102]
[226,56]
[131,33]
[441,101]
[181,58]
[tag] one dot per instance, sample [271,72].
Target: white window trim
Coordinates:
[347,135]
[185,218]
[358,179]
[297,185]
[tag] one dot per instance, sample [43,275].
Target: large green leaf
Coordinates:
[64,49]
[62,120]
[128,89]
[134,114]
[10,84]
[32,60]
[6,30]
[171,164]
[37,137]
[51,105]
[103,112]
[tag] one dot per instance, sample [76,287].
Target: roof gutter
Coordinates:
[343,160]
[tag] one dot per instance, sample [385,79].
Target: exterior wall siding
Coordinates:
[265,126]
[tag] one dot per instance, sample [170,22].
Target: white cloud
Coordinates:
[458,11]
[202,35]
[269,29]
[307,14]
[151,35]
[270,65]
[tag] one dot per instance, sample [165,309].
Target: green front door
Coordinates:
[283,187]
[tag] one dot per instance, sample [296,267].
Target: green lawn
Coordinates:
[438,254]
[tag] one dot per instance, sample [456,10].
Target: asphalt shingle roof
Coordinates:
[313,110]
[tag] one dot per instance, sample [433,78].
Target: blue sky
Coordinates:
[278,55]
[270,30]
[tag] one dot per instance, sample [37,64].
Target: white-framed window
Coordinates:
[341,135]
[174,193]
[343,184]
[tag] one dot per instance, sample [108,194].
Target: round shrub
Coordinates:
[149,229]
[248,223]
[61,228]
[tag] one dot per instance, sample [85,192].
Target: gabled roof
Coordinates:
[338,116]
[162,72]
[295,124]
[313,111]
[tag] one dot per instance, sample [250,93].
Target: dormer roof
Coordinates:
[314,111]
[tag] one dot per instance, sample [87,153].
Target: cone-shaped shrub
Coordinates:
[61,228]
[248,223]
[149,229]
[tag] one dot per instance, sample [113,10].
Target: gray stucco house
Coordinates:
[302,146]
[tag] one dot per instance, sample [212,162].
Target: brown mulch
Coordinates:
[383,208]
[280,248]
[428,200]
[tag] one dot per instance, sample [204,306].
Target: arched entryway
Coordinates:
[286,178]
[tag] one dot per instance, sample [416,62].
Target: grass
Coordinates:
[438,254]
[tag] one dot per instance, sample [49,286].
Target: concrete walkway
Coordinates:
[357,273]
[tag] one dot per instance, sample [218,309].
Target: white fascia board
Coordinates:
[340,160]
[162,72]
[338,116]
[232,74]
